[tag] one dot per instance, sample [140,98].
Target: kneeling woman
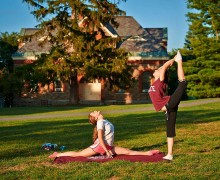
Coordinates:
[103,137]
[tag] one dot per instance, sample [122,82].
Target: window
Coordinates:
[58,86]
[136,38]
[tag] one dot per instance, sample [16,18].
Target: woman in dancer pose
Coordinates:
[168,104]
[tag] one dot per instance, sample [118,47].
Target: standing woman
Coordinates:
[168,104]
[103,137]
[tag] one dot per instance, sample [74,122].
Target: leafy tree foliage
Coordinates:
[10,85]
[8,46]
[79,42]
[202,49]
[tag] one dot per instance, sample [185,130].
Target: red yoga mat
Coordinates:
[132,158]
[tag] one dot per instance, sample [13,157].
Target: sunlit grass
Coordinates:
[197,145]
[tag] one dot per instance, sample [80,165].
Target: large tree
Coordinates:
[76,30]
[8,46]
[10,85]
[203,48]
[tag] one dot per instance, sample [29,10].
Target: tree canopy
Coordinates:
[10,84]
[79,44]
[8,46]
[203,49]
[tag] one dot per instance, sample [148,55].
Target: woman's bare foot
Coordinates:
[54,155]
[178,57]
[152,152]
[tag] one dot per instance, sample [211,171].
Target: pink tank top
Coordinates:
[157,94]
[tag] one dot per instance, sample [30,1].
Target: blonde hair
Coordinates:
[93,121]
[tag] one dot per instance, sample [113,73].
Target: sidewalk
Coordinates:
[182,104]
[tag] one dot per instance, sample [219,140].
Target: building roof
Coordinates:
[31,46]
[144,42]
[128,26]
[139,41]
[28,31]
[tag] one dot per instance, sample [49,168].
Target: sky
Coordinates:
[14,15]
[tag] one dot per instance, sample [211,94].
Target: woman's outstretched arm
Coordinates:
[165,66]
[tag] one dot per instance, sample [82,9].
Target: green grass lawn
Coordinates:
[196,150]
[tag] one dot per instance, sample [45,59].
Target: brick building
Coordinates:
[148,49]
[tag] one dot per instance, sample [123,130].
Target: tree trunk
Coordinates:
[74,89]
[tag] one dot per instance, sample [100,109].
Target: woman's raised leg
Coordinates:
[180,72]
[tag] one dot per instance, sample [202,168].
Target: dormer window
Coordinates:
[136,38]
[43,38]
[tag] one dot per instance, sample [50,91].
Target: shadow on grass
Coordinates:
[155,146]
[34,110]
[198,116]
[46,109]
[25,140]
